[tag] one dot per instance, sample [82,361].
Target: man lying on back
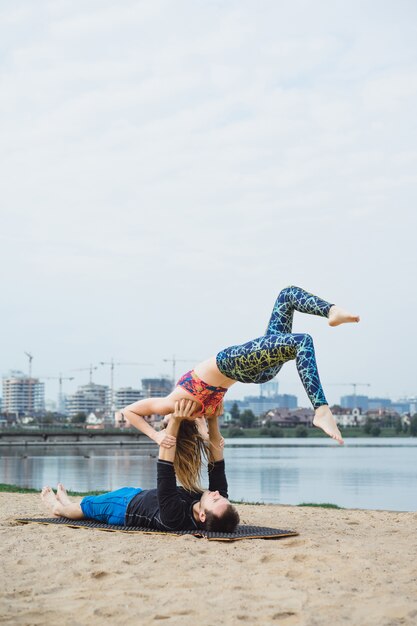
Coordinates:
[167,507]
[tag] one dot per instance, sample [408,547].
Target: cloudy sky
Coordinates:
[167,167]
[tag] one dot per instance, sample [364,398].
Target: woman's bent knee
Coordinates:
[304,339]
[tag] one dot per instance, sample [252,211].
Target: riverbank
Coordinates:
[132,437]
[311,432]
[346,566]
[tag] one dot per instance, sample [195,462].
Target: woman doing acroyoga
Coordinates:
[255,361]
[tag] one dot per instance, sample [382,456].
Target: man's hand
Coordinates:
[164,440]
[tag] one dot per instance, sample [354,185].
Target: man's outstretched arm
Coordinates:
[172,508]
[216,470]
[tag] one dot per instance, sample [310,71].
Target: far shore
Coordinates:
[131,434]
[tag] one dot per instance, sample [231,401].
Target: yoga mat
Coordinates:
[241,532]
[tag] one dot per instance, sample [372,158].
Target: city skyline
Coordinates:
[160,386]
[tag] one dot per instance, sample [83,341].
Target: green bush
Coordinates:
[375,431]
[79,418]
[398,426]
[301,431]
[275,431]
[413,426]
[247,419]
[235,413]
[235,431]
[368,426]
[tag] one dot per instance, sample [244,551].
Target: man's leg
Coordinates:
[57,508]
[109,508]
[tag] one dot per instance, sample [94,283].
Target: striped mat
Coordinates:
[241,532]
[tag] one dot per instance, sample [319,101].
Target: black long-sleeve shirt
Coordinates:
[170,507]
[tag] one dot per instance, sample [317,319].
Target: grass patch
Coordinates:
[5,488]
[16,489]
[323,505]
[248,502]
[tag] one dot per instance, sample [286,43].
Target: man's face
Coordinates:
[215,503]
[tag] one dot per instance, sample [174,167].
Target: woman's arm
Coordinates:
[162,406]
[183,409]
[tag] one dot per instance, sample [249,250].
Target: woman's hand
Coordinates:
[219,411]
[164,440]
[186,409]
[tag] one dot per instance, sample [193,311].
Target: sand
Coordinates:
[345,567]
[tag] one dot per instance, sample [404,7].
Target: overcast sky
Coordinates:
[167,167]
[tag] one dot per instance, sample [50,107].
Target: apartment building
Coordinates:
[22,394]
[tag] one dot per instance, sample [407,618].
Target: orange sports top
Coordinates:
[209,396]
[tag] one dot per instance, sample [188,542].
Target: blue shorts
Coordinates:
[109,508]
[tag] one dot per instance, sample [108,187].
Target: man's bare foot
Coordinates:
[49,499]
[61,494]
[340,316]
[324,419]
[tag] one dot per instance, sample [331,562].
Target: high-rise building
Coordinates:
[125,396]
[22,394]
[156,387]
[354,402]
[379,403]
[87,399]
[270,388]
[261,404]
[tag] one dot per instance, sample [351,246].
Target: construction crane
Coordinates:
[30,357]
[174,362]
[112,364]
[354,385]
[86,369]
[60,378]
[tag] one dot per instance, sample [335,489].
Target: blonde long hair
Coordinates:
[189,456]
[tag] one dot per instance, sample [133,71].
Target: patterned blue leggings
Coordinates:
[261,359]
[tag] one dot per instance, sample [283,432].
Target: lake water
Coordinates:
[364,473]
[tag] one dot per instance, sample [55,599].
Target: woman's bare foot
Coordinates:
[340,316]
[324,419]
[49,499]
[61,494]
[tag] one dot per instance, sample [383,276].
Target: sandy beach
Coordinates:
[345,567]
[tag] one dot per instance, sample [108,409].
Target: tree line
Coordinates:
[247,419]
